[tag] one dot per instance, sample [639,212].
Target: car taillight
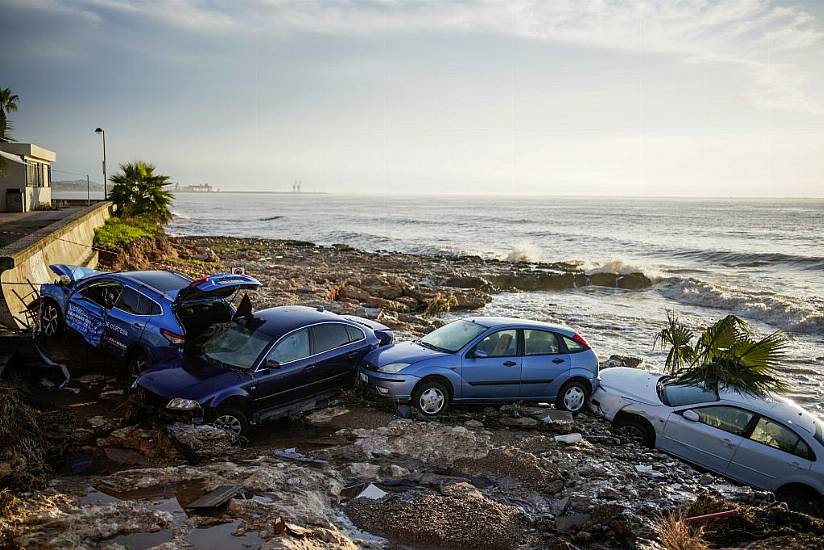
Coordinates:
[580,339]
[199,281]
[175,339]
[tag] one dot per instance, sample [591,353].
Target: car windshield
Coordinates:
[452,337]
[237,346]
[676,395]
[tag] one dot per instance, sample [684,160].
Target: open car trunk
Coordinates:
[197,317]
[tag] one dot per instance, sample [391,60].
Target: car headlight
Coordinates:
[392,368]
[180,404]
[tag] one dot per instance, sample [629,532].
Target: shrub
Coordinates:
[121,232]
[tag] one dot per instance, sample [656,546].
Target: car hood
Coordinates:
[74,272]
[405,352]
[635,384]
[194,378]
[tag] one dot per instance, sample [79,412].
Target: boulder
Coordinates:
[204,440]
[623,361]
[149,442]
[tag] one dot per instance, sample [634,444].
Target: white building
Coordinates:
[25,178]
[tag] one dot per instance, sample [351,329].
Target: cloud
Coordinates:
[758,36]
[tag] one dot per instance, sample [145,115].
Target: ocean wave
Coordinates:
[524,252]
[618,267]
[750,259]
[180,215]
[784,312]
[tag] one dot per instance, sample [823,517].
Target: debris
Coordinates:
[294,455]
[324,416]
[569,438]
[372,492]
[216,497]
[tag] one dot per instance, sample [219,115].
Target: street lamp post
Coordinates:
[102,132]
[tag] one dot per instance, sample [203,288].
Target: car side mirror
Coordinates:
[692,416]
[272,364]
[479,354]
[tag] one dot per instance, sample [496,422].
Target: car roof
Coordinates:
[283,319]
[775,407]
[163,282]
[491,322]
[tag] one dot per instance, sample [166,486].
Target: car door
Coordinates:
[769,455]
[707,436]
[282,378]
[125,321]
[87,308]
[492,368]
[544,364]
[336,356]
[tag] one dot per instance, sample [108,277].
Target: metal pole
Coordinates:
[88,191]
[105,179]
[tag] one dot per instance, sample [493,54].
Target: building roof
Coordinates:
[29,150]
[12,158]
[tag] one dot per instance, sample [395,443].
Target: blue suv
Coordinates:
[485,360]
[145,317]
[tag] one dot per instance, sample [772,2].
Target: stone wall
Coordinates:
[68,241]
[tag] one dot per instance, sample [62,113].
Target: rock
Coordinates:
[325,416]
[521,422]
[623,361]
[112,394]
[569,439]
[571,522]
[149,442]
[204,440]
[362,470]
[560,420]
[469,281]
[368,312]
[474,424]
[393,470]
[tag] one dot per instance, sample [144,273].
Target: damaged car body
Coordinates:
[767,442]
[485,360]
[144,317]
[269,364]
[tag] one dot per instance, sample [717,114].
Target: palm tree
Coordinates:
[138,191]
[8,104]
[725,354]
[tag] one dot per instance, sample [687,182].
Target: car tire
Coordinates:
[573,396]
[430,398]
[231,420]
[635,429]
[51,319]
[138,362]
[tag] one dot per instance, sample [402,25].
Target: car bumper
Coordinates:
[154,406]
[388,386]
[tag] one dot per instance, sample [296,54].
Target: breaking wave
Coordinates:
[524,252]
[750,259]
[784,312]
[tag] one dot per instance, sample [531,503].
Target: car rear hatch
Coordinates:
[217,286]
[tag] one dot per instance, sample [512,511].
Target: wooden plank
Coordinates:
[217,497]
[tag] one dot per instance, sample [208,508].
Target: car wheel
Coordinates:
[231,420]
[430,398]
[635,430]
[573,396]
[51,320]
[138,362]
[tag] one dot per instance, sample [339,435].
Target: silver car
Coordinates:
[767,442]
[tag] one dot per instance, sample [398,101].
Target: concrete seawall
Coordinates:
[68,241]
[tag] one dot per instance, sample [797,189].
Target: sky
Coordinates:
[545,97]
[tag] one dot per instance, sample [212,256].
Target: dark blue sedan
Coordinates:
[271,364]
[145,317]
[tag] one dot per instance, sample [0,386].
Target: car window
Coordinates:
[677,395]
[540,342]
[329,336]
[729,419]
[238,346]
[104,294]
[503,343]
[355,334]
[132,301]
[572,345]
[779,437]
[452,337]
[292,347]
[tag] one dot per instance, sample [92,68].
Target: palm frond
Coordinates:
[679,338]
[139,191]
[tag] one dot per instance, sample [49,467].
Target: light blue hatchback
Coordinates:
[485,360]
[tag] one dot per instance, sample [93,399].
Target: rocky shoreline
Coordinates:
[405,291]
[355,475]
